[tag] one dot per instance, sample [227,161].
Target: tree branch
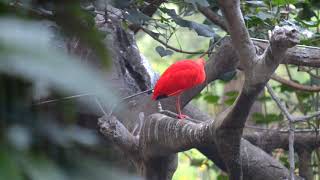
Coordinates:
[167,45]
[295,85]
[291,129]
[213,17]
[114,130]
[162,135]
[239,34]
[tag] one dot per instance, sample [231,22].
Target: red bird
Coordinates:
[179,77]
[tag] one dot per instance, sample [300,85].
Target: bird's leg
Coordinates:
[180,115]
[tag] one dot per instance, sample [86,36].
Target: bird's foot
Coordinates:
[182,116]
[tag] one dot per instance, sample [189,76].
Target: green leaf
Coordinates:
[264,98]
[163,52]
[260,118]
[222,177]
[200,29]
[232,93]
[213,99]
[303,95]
[232,96]
[306,13]
[283,2]
[264,15]
[285,88]
[198,96]
[137,17]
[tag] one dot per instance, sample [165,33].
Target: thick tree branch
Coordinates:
[230,124]
[299,55]
[239,34]
[268,140]
[114,130]
[170,136]
[213,17]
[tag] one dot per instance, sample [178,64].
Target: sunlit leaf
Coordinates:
[231,97]
[213,99]
[306,13]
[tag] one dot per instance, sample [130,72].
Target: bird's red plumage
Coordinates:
[179,77]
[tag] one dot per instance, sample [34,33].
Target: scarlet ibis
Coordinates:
[179,77]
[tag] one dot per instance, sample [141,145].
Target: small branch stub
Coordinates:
[114,130]
[284,37]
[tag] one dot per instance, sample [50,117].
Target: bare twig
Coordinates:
[307,117]
[282,130]
[309,72]
[100,106]
[64,98]
[168,46]
[291,129]
[295,85]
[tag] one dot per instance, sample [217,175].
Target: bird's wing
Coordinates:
[177,78]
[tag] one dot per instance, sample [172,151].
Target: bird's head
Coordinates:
[201,61]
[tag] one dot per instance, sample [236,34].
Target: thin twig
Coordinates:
[100,106]
[291,129]
[295,85]
[309,72]
[64,98]
[168,46]
[282,130]
[307,117]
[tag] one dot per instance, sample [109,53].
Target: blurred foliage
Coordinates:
[48,141]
